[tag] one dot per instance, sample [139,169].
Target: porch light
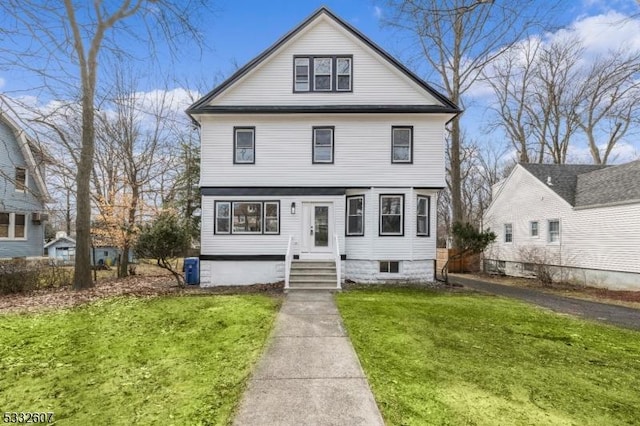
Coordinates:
[293,208]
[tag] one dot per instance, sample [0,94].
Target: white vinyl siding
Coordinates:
[377,82]
[284,151]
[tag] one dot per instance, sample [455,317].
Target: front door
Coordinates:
[317,230]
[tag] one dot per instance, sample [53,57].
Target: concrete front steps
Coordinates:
[312,275]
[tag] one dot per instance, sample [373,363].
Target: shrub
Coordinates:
[22,276]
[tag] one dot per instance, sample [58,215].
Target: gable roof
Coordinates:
[200,106]
[67,238]
[563,177]
[25,144]
[611,185]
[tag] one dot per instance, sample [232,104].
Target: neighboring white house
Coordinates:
[583,218]
[323,147]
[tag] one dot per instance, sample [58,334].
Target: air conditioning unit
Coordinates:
[39,217]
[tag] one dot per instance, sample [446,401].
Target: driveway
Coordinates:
[612,314]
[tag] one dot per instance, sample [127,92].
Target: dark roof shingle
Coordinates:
[615,184]
[563,177]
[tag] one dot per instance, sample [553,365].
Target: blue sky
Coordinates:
[238,30]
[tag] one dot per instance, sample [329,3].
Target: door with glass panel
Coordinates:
[317,228]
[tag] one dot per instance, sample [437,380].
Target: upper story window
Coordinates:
[322,145]
[391,215]
[322,73]
[21,179]
[13,226]
[508,233]
[244,147]
[554,231]
[402,144]
[533,229]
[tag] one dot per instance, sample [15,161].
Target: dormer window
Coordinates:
[322,73]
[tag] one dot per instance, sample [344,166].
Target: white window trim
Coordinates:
[12,228]
[395,234]
[427,216]
[388,262]
[549,231]
[537,229]
[504,228]
[354,234]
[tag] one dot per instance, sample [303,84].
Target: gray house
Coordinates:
[22,193]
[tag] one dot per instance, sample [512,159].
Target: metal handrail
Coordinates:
[287,262]
[338,263]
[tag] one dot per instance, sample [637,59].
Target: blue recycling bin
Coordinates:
[192,270]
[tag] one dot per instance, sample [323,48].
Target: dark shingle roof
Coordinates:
[564,177]
[612,185]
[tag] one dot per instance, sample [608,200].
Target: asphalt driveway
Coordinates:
[612,314]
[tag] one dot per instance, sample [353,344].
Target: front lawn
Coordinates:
[167,360]
[452,358]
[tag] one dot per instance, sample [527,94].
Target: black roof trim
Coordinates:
[271,191]
[322,109]
[198,105]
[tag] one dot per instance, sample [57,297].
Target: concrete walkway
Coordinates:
[310,374]
[613,314]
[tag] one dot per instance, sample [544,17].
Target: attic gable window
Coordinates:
[323,73]
[21,179]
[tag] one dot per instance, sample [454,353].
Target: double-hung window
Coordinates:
[508,233]
[322,68]
[402,144]
[554,231]
[422,216]
[301,74]
[323,73]
[533,229]
[355,215]
[247,217]
[21,179]
[244,146]
[391,215]
[13,226]
[323,145]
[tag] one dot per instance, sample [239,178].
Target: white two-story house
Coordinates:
[324,148]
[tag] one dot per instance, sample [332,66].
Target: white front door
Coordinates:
[317,230]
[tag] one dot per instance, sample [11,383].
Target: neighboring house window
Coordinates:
[389,267]
[391,215]
[554,231]
[355,215]
[271,217]
[247,217]
[301,74]
[422,213]
[323,145]
[401,144]
[533,229]
[322,73]
[508,233]
[21,179]
[343,71]
[13,226]
[223,218]
[244,146]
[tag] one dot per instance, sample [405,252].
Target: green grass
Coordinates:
[435,358]
[172,360]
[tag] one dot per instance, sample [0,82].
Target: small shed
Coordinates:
[108,255]
[62,249]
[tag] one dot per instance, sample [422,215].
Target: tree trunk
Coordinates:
[457,212]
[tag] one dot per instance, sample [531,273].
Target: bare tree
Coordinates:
[458,38]
[66,42]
